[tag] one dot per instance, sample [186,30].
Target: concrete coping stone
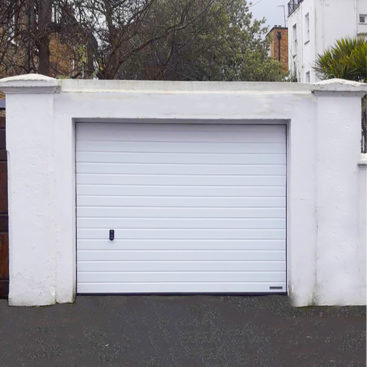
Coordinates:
[37,83]
[363,161]
[29,84]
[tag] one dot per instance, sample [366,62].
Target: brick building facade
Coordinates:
[279,45]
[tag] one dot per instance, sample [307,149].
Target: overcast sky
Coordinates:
[269,9]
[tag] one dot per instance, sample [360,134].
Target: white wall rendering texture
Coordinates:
[326,193]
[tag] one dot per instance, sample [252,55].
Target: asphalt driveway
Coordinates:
[184,331]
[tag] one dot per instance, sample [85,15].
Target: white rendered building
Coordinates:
[315,25]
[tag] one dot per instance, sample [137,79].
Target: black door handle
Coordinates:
[112,234]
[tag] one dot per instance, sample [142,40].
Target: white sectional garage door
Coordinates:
[194,208]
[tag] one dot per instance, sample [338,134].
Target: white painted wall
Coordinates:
[326,184]
[302,53]
[337,141]
[362,9]
[330,20]
[363,211]
[32,227]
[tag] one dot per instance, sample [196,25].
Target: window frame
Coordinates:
[295,40]
[308,76]
[307,28]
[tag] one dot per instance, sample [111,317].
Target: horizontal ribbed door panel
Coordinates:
[194,208]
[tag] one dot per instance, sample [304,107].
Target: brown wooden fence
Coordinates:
[4,244]
[364,125]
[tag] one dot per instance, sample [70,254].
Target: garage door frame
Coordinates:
[281,122]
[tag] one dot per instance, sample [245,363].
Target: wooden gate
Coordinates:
[4,244]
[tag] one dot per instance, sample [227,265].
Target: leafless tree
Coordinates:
[103,34]
[151,39]
[115,30]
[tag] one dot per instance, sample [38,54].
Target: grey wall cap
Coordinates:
[340,86]
[29,84]
[157,86]
[37,83]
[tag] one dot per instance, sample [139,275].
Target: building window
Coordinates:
[307,27]
[363,18]
[294,75]
[308,77]
[295,40]
[55,14]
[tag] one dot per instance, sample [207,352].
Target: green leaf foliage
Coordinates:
[222,42]
[346,60]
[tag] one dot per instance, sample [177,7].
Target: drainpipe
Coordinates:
[279,37]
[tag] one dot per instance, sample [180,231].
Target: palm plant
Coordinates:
[346,60]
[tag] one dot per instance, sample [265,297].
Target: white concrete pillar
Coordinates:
[29,108]
[340,273]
